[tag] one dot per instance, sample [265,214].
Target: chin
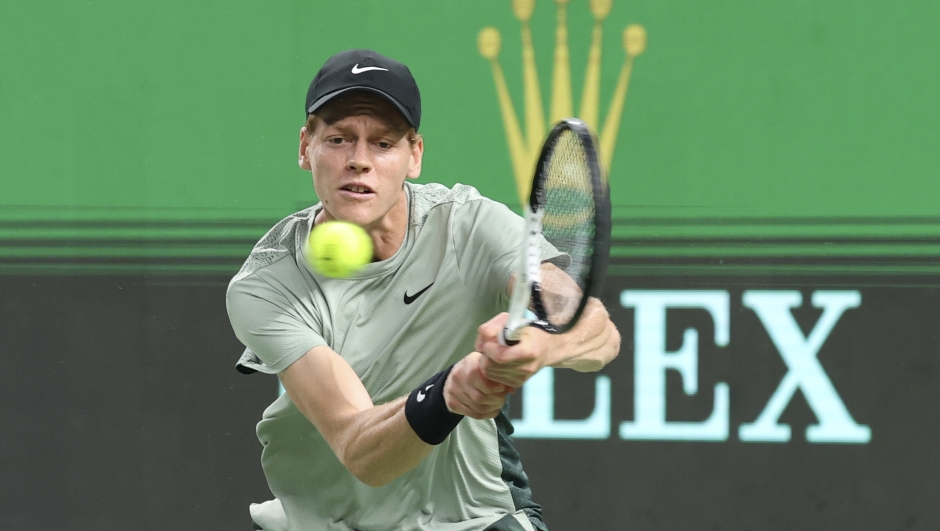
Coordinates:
[355,216]
[364,214]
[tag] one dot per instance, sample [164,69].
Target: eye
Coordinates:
[384,145]
[335,140]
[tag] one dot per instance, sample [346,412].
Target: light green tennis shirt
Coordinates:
[397,322]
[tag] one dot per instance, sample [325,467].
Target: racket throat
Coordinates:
[529,278]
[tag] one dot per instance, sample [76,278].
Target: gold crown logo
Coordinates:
[524,148]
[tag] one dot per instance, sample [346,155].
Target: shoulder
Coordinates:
[280,242]
[457,200]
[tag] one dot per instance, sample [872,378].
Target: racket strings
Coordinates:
[568,224]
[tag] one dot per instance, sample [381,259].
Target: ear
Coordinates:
[417,153]
[302,159]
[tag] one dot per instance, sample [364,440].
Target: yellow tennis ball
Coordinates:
[339,249]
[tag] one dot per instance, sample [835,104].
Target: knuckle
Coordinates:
[479,409]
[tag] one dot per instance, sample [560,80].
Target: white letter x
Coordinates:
[805,372]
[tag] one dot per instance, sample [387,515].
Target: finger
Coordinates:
[510,375]
[486,383]
[495,372]
[482,416]
[500,353]
[509,380]
[457,382]
[524,351]
[490,330]
[462,404]
[479,399]
[472,388]
[507,356]
[491,414]
[484,408]
[494,325]
[500,374]
[487,386]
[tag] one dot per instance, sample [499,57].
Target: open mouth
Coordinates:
[357,189]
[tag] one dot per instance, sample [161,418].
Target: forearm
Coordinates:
[590,345]
[375,443]
[378,445]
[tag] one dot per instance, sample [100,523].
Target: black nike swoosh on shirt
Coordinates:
[411,298]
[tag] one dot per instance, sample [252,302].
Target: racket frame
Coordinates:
[528,285]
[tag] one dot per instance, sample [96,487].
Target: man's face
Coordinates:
[359,155]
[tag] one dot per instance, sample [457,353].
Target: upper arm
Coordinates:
[275,328]
[318,380]
[375,443]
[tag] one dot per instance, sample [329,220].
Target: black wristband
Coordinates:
[426,410]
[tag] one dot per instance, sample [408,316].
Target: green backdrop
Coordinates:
[783,137]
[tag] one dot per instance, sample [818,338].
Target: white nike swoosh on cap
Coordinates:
[357,70]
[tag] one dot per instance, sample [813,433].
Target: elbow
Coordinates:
[614,343]
[607,352]
[371,479]
[601,350]
[368,474]
[373,474]
[611,346]
[589,365]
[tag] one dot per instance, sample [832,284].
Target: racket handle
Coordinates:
[504,339]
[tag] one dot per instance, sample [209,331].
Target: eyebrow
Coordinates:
[384,130]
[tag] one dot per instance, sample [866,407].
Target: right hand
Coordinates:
[512,366]
[468,392]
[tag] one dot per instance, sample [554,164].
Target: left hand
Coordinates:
[468,392]
[511,366]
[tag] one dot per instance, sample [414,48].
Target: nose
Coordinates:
[360,160]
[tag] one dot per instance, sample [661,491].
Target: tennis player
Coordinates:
[382,368]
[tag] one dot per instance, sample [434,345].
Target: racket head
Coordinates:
[569,188]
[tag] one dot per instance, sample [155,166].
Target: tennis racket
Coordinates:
[569,207]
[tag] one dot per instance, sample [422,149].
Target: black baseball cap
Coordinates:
[369,71]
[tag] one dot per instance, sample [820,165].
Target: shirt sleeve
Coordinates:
[488,241]
[265,321]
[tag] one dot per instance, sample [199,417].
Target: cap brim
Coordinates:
[327,98]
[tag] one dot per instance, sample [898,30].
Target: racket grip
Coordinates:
[504,339]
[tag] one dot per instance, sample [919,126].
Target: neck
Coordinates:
[387,232]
